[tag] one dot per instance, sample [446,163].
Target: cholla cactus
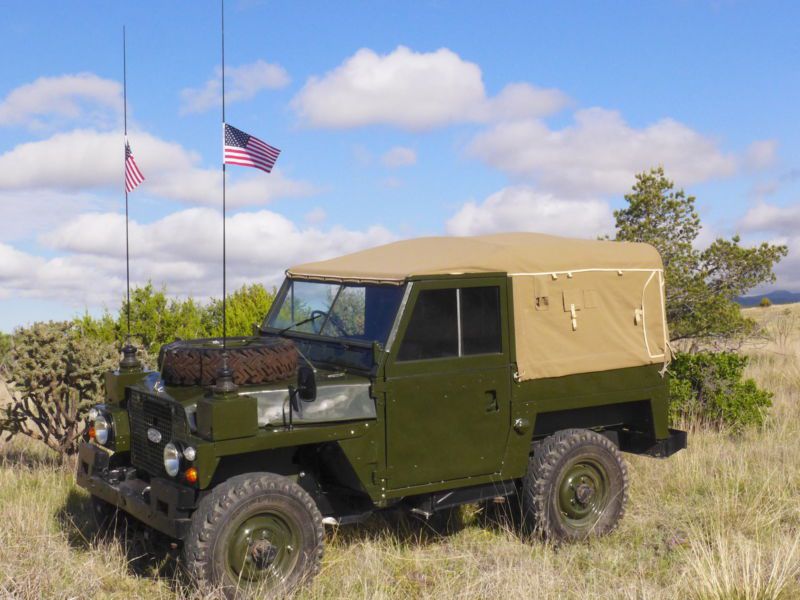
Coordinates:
[55,375]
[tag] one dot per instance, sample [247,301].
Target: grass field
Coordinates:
[720,520]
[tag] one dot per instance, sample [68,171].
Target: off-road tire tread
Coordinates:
[194,362]
[213,509]
[541,471]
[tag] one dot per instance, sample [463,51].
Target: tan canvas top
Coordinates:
[579,305]
[512,253]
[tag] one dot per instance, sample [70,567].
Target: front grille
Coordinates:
[148,412]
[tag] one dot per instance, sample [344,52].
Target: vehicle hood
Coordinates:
[340,397]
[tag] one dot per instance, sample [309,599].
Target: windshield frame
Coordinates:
[280,297]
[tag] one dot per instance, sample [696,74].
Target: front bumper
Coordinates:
[161,504]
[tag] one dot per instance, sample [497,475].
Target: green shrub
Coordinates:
[5,345]
[157,319]
[709,387]
[56,374]
[765,302]
[247,306]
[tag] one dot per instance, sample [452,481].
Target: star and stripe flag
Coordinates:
[239,148]
[133,176]
[243,149]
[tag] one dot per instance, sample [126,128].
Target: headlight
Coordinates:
[102,429]
[189,453]
[172,459]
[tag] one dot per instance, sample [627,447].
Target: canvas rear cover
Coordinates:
[591,321]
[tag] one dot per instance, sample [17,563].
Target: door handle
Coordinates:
[491,401]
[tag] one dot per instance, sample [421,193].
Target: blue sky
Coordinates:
[395,120]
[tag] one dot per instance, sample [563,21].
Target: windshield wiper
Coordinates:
[285,329]
[303,322]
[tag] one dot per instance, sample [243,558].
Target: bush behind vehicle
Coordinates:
[709,387]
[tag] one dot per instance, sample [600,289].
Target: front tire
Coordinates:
[257,533]
[576,486]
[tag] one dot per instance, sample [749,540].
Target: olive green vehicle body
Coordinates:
[446,424]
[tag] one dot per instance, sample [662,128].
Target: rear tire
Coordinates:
[254,534]
[576,486]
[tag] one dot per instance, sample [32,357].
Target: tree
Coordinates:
[56,375]
[700,284]
[247,306]
[765,302]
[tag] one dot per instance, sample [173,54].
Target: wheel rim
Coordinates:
[264,548]
[583,493]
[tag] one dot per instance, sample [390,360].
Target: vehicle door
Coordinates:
[448,383]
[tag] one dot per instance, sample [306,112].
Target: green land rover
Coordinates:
[416,376]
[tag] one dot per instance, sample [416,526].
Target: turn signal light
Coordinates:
[92,432]
[191,475]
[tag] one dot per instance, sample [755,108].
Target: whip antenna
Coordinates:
[130,178]
[224,257]
[224,383]
[125,121]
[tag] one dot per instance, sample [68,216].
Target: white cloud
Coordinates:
[315,216]
[521,101]
[181,250]
[770,217]
[788,270]
[16,265]
[85,158]
[783,222]
[761,154]
[600,153]
[414,90]
[522,208]
[399,156]
[241,83]
[47,100]
[88,159]
[25,213]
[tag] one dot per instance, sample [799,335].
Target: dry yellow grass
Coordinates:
[718,521]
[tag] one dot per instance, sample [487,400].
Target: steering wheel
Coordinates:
[318,323]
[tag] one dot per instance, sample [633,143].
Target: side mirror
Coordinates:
[306,383]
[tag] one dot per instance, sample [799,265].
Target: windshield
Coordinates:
[358,312]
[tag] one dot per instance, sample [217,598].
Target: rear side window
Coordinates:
[436,331]
[433,330]
[480,320]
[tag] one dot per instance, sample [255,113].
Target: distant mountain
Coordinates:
[776,297]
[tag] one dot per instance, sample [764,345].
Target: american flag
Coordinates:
[133,176]
[246,150]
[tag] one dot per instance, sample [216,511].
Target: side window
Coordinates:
[480,320]
[433,329]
